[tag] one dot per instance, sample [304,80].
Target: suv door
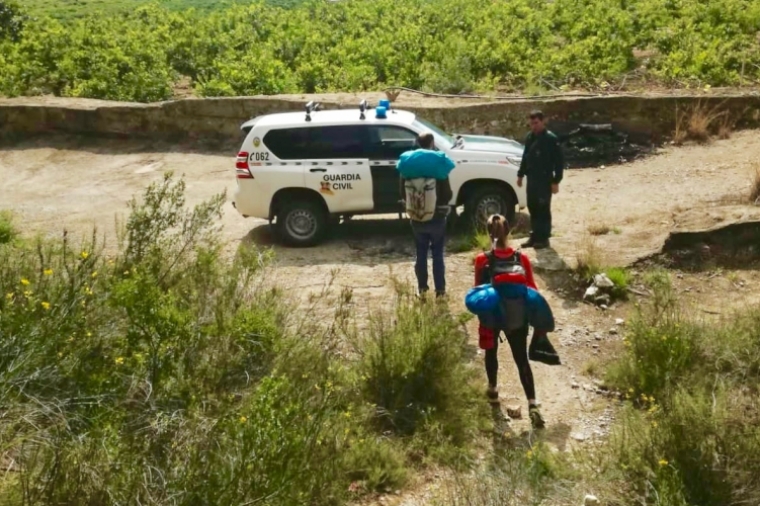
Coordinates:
[333,161]
[386,143]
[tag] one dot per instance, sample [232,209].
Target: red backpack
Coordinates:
[506,270]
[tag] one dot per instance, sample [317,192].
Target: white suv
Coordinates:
[305,171]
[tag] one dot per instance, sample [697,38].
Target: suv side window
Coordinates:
[317,143]
[388,142]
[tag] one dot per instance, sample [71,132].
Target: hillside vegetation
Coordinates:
[78,8]
[444,46]
[166,374]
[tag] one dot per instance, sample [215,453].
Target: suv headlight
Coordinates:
[515,160]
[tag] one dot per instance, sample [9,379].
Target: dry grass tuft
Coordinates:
[599,229]
[726,128]
[754,192]
[698,123]
[589,259]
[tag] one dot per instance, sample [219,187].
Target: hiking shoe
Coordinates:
[541,245]
[493,395]
[440,295]
[536,420]
[528,244]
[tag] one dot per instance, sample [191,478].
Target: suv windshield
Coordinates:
[441,137]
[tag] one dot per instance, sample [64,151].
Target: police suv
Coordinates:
[305,172]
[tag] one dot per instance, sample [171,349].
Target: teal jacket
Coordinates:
[424,163]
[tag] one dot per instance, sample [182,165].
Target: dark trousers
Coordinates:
[540,209]
[430,236]
[518,342]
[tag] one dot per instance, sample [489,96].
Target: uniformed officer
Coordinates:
[543,165]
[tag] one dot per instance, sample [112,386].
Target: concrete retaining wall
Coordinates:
[651,117]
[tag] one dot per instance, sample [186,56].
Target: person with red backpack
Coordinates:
[510,275]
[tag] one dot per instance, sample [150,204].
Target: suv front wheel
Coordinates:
[301,223]
[488,201]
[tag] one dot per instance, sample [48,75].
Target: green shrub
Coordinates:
[469,241]
[415,375]
[621,278]
[697,442]
[8,231]
[160,357]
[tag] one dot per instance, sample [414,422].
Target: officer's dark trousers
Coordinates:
[540,209]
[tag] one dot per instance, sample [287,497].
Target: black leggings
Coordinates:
[518,342]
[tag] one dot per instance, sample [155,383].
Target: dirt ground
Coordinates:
[56,183]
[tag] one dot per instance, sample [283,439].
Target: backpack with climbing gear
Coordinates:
[508,277]
[420,198]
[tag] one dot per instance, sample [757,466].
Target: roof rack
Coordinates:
[362,107]
[312,107]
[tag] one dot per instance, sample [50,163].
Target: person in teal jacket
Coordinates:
[430,236]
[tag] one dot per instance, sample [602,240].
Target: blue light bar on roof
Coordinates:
[380,112]
[384,103]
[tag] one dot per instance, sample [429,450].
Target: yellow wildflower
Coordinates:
[94,274]
[654,425]
[89,334]
[84,255]
[45,305]
[663,462]
[60,354]
[87,290]
[529,454]
[28,293]
[243,419]
[24,281]
[630,390]
[119,360]
[9,296]
[48,272]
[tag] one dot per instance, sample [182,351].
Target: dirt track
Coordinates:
[55,183]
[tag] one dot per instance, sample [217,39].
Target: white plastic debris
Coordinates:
[590,500]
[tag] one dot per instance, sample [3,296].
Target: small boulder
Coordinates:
[602,281]
[514,412]
[619,321]
[603,300]
[590,500]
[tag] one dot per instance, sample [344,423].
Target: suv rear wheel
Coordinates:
[301,223]
[488,201]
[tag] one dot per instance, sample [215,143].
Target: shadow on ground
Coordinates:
[505,439]
[369,241]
